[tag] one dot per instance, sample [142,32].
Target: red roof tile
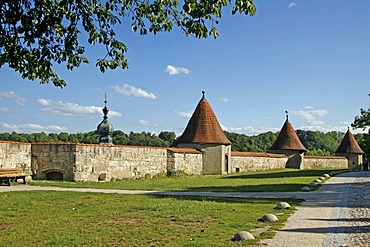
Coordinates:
[349,145]
[324,157]
[184,150]
[288,139]
[203,127]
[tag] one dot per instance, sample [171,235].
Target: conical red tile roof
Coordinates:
[288,139]
[203,127]
[349,145]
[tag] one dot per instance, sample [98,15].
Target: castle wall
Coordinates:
[106,163]
[256,161]
[49,158]
[84,162]
[318,162]
[184,161]
[16,155]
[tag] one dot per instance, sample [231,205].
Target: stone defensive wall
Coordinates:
[316,162]
[256,161]
[184,161]
[93,162]
[15,155]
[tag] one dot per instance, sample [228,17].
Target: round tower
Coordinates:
[288,143]
[350,149]
[204,133]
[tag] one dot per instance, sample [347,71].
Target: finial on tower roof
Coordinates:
[203,97]
[287,115]
[105,109]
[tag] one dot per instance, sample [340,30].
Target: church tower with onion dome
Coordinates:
[105,128]
[205,134]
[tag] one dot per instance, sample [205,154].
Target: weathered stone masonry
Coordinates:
[15,155]
[84,162]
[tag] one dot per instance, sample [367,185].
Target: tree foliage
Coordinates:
[35,34]
[364,142]
[92,137]
[318,143]
[362,121]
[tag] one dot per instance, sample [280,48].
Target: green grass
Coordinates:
[272,180]
[49,218]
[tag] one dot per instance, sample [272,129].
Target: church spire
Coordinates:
[105,109]
[105,128]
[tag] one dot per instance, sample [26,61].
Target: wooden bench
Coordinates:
[9,174]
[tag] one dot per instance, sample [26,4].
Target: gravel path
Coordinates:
[338,214]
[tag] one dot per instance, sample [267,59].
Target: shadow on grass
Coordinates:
[292,202]
[279,174]
[249,188]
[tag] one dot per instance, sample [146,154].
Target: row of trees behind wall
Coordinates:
[317,143]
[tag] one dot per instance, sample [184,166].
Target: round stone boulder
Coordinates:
[312,184]
[317,180]
[326,175]
[282,205]
[243,235]
[306,188]
[269,218]
[322,178]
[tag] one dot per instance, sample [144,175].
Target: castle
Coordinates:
[202,149]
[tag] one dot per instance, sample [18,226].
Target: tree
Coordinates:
[363,120]
[168,137]
[35,34]
[119,137]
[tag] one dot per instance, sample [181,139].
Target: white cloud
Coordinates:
[17,98]
[44,102]
[147,123]
[184,114]
[173,70]
[248,130]
[310,114]
[128,90]
[292,5]
[224,99]
[345,123]
[73,109]
[314,123]
[4,109]
[26,128]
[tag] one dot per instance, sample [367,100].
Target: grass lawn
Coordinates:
[49,218]
[272,180]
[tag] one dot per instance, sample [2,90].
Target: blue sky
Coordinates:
[311,58]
